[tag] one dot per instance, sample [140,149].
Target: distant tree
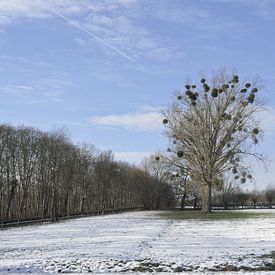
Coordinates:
[254,196]
[164,178]
[211,128]
[193,193]
[240,198]
[227,190]
[173,171]
[270,195]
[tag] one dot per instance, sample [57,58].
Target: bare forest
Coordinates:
[44,175]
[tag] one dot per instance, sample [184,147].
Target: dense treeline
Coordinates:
[43,174]
[234,197]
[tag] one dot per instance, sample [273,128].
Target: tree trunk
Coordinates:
[11,195]
[195,202]
[182,203]
[225,205]
[207,196]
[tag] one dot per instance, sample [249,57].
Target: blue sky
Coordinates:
[107,87]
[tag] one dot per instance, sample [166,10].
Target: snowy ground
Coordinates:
[140,242]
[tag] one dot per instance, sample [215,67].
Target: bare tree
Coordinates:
[180,179]
[270,195]
[212,127]
[240,198]
[164,173]
[44,175]
[225,191]
[254,196]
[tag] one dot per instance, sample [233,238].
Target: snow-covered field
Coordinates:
[141,242]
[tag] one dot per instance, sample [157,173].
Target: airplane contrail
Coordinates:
[95,36]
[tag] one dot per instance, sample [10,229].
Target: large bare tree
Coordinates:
[212,127]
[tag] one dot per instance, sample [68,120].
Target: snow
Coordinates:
[139,241]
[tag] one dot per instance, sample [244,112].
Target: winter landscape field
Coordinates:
[126,126]
[148,241]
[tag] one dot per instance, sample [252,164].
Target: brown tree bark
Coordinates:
[207,198]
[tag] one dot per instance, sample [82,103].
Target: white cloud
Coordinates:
[148,121]
[132,157]
[4,20]
[112,21]
[38,9]
[38,91]
[19,63]
[205,22]
[121,31]
[146,44]
[127,2]
[50,86]
[162,54]
[18,90]
[191,14]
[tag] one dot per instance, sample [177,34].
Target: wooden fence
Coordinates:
[42,220]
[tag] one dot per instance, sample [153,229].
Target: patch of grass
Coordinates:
[215,215]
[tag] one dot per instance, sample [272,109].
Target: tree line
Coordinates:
[227,193]
[43,174]
[232,196]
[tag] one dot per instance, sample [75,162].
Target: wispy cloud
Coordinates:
[23,60]
[203,21]
[123,31]
[18,90]
[114,24]
[22,93]
[34,81]
[189,15]
[94,36]
[4,20]
[38,91]
[148,121]
[15,10]
[30,67]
